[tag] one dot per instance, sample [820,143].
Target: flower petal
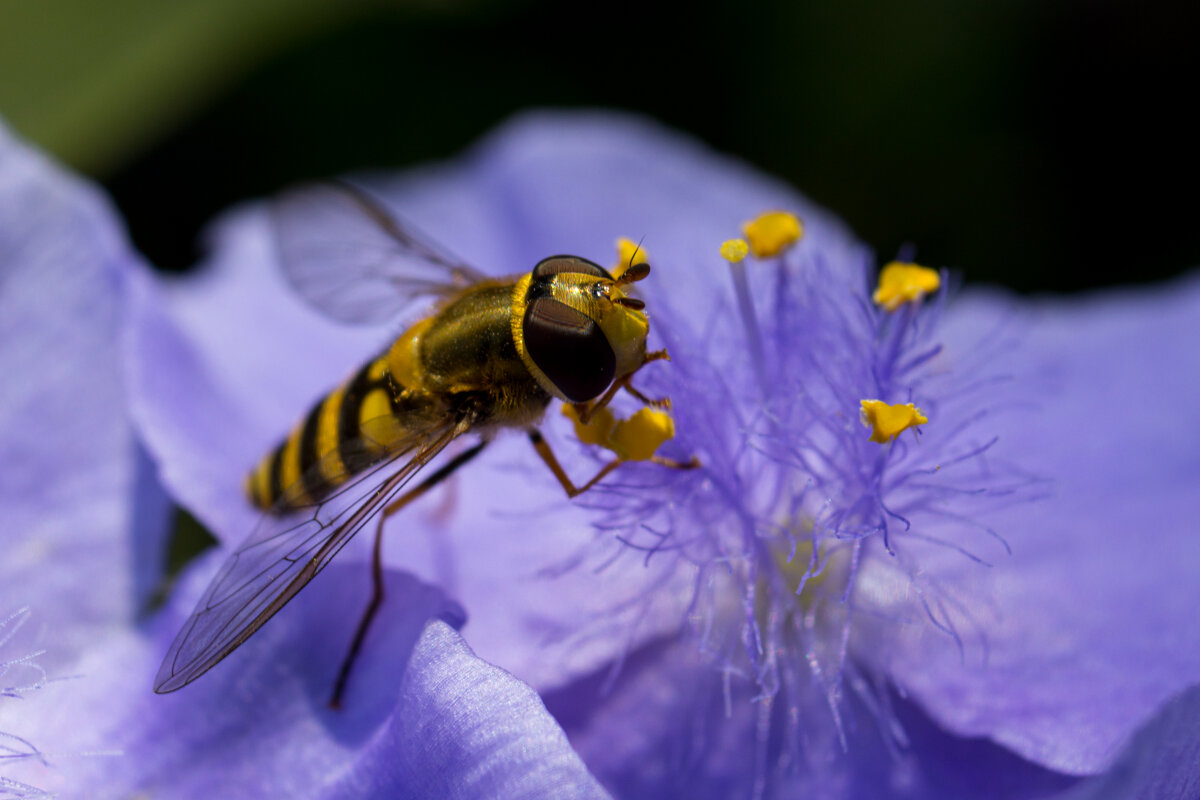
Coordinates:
[465,729]
[73,482]
[1163,760]
[422,715]
[1090,625]
[669,727]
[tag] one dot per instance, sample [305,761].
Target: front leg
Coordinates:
[543,450]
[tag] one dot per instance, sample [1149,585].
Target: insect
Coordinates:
[492,355]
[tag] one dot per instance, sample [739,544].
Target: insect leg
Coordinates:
[653,402]
[377,562]
[543,450]
[655,355]
[670,463]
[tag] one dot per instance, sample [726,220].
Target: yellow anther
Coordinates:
[637,438]
[901,283]
[597,429]
[887,422]
[629,253]
[734,250]
[771,233]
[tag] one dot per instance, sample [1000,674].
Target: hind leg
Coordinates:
[339,688]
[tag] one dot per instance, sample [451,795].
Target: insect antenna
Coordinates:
[634,271]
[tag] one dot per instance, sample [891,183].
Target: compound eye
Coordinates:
[569,347]
[555,265]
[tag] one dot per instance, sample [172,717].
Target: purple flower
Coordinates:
[989,609]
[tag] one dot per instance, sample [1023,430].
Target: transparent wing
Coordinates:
[282,554]
[350,256]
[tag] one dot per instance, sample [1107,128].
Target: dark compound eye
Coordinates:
[569,348]
[555,265]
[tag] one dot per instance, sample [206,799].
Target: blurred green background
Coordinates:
[1039,144]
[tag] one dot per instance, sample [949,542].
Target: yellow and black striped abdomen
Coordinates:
[345,432]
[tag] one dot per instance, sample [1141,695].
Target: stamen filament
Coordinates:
[734,251]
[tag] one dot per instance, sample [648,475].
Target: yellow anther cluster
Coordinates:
[637,438]
[633,439]
[901,283]
[771,233]
[887,421]
[629,253]
[734,250]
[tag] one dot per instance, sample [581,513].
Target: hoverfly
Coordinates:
[493,353]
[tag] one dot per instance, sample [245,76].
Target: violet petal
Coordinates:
[1089,626]
[421,713]
[663,729]
[74,481]
[1162,760]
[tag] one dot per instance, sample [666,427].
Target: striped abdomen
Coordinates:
[345,432]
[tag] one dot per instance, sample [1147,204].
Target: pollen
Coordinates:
[637,438]
[901,283]
[596,430]
[889,421]
[629,253]
[770,233]
[734,250]
[633,439]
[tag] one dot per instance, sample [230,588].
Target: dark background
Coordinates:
[1039,144]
